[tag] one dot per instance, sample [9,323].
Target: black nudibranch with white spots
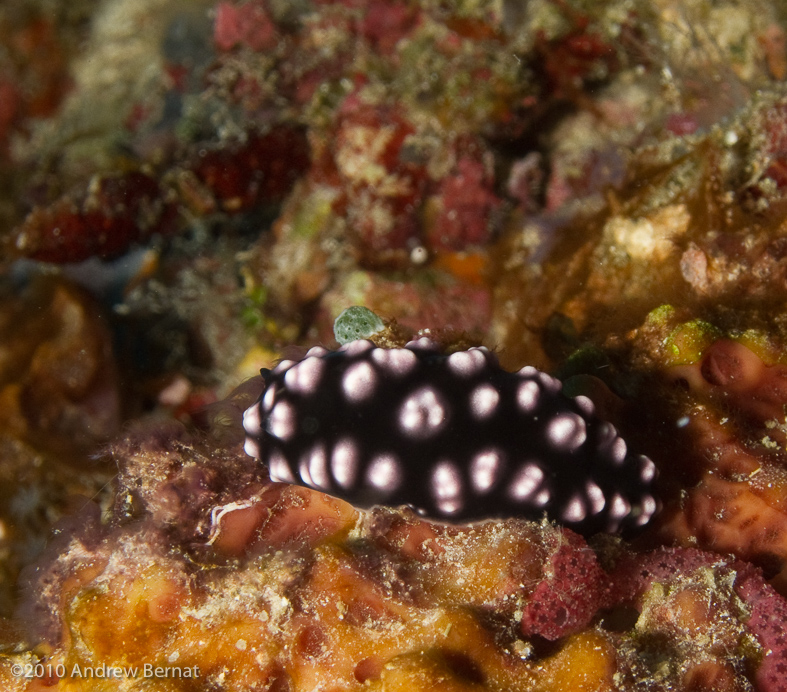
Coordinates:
[456,437]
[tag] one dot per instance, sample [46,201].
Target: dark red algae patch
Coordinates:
[119,211]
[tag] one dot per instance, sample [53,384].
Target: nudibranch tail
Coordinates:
[454,436]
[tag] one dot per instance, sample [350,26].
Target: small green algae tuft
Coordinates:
[356,322]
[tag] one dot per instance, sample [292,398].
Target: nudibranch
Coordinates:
[456,437]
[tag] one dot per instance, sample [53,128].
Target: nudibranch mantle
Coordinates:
[454,436]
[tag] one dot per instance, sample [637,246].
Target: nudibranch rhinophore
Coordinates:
[456,437]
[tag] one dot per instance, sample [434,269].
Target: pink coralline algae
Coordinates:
[466,203]
[381,189]
[384,23]
[765,611]
[571,59]
[568,597]
[386,190]
[635,573]
[318,154]
[774,126]
[244,25]
[767,621]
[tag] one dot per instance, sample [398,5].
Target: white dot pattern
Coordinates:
[344,463]
[283,366]
[454,434]
[385,473]
[525,482]
[251,421]
[549,383]
[527,396]
[269,398]
[422,344]
[397,361]
[318,465]
[485,470]
[467,363]
[647,469]
[574,510]
[596,498]
[422,414]
[484,400]
[278,469]
[252,448]
[649,508]
[359,381]
[543,497]
[314,469]
[606,435]
[304,377]
[617,451]
[447,487]
[619,508]
[281,422]
[585,404]
[566,431]
[357,347]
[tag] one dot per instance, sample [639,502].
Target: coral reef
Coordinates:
[207,571]
[736,419]
[65,393]
[61,396]
[190,193]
